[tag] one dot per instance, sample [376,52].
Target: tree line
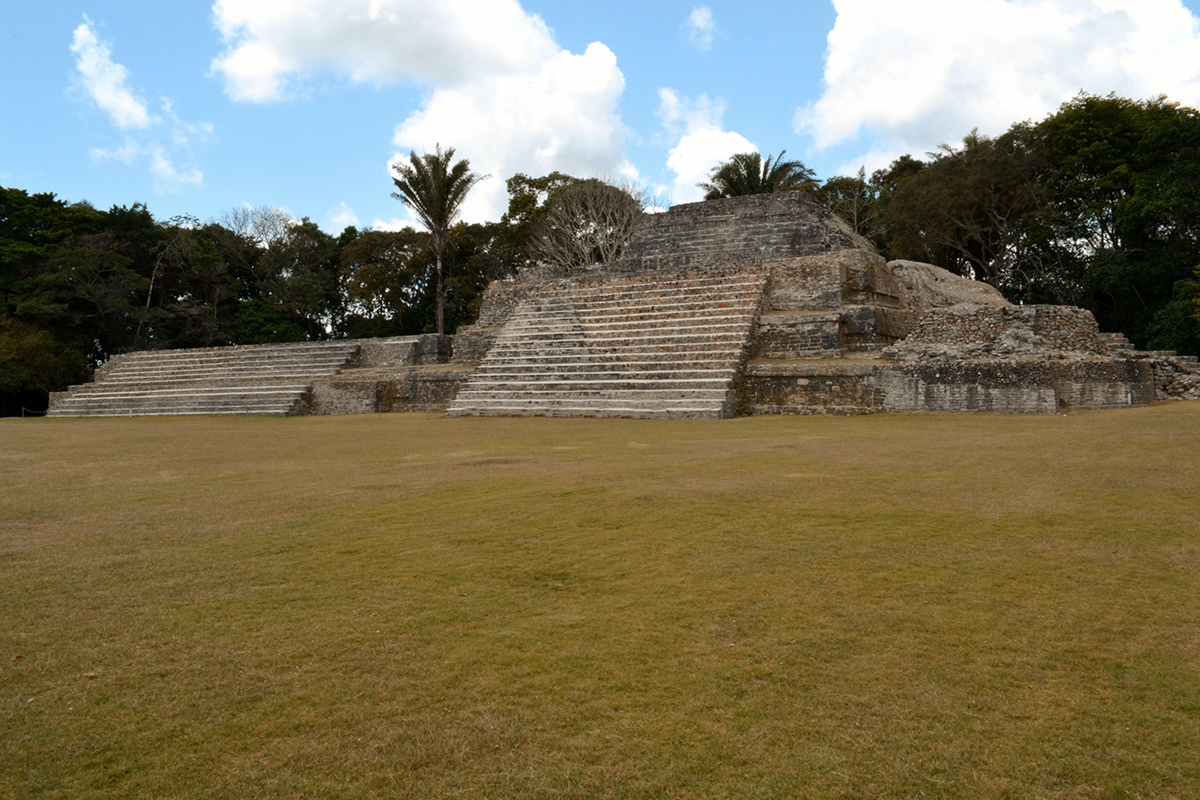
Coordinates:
[1098,205]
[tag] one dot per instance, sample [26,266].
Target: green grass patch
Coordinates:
[411,606]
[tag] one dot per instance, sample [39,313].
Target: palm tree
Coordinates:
[434,189]
[747,173]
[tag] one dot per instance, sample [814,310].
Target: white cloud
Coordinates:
[703,142]
[342,217]
[393,224]
[107,85]
[167,177]
[502,92]
[870,161]
[269,44]
[916,75]
[106,82]
[561,116]
[701,28]
[126,153]
[185,134]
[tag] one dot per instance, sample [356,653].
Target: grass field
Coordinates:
[365,607]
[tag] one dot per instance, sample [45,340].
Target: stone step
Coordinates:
[236,355]
[682,305]
[632,332]
[537,373]
[170,410]
[115,400]
[213,363]
[249,379]
[102,390]
[684,301]
[111,406]
[212,376]
[698,352]
[624,319]
[654,347]
[290,366]
[675,341]
[591,406]
[621,386]
[1117,342]
[628,321]
[639,298]
[609,412]
[656,286]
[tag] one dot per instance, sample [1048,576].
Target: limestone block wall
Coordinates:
[1000,387]
[794,336]
[1176,377]
[821,306]
[501,298]
[416,388]
[809,389]
[388,352]
[1030,386]
[472,342]
[1010,359]
[974,331]
[806,284]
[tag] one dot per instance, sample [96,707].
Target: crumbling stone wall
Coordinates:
[1175,377]
[988,331]
[1010,359]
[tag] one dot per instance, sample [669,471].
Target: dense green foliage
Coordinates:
[1098,205]
[748,173]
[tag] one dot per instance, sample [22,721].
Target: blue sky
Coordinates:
[199,107]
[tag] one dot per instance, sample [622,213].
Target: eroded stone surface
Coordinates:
[928,287]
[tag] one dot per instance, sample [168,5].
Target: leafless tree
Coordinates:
[264,225]
[587,223]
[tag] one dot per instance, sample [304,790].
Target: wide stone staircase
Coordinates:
[642,347]
[256,379]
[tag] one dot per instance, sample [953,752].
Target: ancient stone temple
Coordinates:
[770,304]
[766,304]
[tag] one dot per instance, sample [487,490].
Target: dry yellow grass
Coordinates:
[890,606]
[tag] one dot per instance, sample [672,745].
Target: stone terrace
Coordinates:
[624,347]
[736,232]
[262,379]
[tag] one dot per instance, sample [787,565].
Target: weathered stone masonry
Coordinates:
[758,305]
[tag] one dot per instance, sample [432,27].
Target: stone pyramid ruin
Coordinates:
[767,304]
[770,304]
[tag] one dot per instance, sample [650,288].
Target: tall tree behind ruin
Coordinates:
[586,223]
[748,173]
[434,189]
